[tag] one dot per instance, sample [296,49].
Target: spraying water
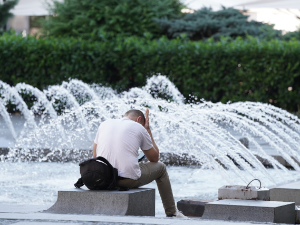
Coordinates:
[71,113]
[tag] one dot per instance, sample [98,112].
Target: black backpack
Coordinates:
[97,175]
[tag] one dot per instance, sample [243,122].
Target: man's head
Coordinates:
[136,115]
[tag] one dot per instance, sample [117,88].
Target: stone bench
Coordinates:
[251,210]
[136,202]
[286,193]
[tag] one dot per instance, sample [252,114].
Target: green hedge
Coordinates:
[238,70]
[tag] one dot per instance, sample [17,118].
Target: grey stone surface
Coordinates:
[44,223]
[279,158]
[286,193]
[251,210]
[22,208]
[244,141]
[137,202]
[192,207]
[297,208]
[81,155]
[242,192]
[283,162]
[100,219]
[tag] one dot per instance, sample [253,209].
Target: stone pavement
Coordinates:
[32,215]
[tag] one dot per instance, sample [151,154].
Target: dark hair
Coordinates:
[136,113]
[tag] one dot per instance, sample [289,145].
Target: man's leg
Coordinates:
[154,171]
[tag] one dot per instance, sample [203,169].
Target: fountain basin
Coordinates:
[65,155]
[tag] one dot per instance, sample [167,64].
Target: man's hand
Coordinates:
[147,126]
[153,153]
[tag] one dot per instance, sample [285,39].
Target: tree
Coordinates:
[91,19]
[294,34]
[206,23]
[5,7]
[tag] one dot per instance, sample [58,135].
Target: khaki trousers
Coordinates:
[154,171]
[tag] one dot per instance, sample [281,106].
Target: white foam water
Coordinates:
[69,115]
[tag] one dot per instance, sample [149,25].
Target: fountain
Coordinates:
[61,125]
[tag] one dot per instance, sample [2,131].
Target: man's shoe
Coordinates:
[179,215]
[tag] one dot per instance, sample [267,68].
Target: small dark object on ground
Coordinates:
[192,208]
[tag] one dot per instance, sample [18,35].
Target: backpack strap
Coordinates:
[79,183]
[95,159]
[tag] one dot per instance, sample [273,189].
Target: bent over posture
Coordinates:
[118,140]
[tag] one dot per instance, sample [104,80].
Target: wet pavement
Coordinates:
[23,215]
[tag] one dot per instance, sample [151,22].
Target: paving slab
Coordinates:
[251,210]
[87,218]
[286,193]
[112,219]
[22,208]
[137,202]
[44,223]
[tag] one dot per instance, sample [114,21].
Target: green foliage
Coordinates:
[206,23]
[292,35]
[269,33]
[4,12]
[91,19]
[241,70]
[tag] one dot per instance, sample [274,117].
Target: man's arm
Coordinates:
[153,142]
[94,150]
[153,153]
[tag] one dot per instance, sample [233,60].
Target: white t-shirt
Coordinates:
[118,140]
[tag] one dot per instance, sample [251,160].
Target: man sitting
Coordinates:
[118,140]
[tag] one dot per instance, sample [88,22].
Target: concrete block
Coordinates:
[241,192]
[286,193]
[251,210]
[192,207]
[136,202]
[297,208]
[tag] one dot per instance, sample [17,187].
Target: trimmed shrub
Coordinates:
[206,23]
[239,70]
[88,19]
[5,7]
